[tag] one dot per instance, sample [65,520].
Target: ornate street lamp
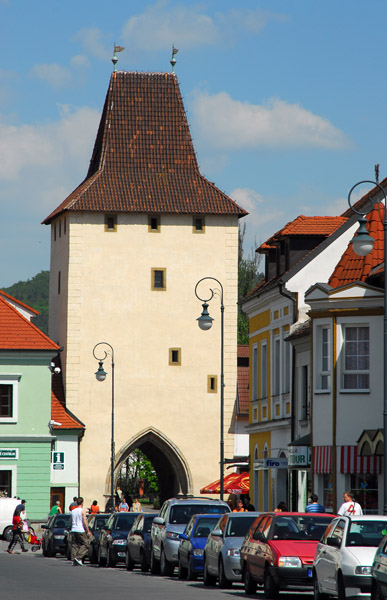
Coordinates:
[205,323]
[101,376]
[362,245]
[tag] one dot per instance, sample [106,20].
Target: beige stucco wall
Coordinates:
[108,297]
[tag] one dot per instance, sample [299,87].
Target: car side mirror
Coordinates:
[216,533]
[334,542]
[158,521]
[44,526]
[183,536]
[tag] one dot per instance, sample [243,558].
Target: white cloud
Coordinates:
[53,74]
[80,61]
[95,42]
[235,125]
[48,146]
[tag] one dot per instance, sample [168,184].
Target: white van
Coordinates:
[7,508]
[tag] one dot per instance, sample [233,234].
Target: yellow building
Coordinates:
[127,249]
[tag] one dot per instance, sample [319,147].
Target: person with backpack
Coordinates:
[350,508]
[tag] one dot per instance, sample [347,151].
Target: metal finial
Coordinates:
[377,173]
[115,59]
[173,59]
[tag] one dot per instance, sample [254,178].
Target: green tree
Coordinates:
[138,467]
[248,278]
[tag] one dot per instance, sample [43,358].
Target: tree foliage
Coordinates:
[138,467]
[248,277]
[34,293]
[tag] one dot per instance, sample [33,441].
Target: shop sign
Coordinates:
[9,453]
[275,463]
[299,456]
[57,460]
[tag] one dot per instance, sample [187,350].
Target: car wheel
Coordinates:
[181,571]
[340,587]
[68,552]
[166,568]
[101,559]
[316,590]
[50,551]
[154,564]
[191,575]
[143,562]
[128,561]
[375,591]
[208,579]
[270,588]
[7,534]
[109,559]
[248,581]
[224,583]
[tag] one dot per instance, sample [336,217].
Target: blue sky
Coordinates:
[286,102]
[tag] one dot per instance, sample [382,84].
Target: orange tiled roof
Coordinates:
[305,226]
[243,350]
[12,299]
[59,412]
[243,391]
[143,158]
[352,267]
[18,333]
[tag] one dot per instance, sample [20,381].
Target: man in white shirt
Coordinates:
[80,533]
[349,508]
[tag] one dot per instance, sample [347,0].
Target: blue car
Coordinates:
[192,542]
[138,542]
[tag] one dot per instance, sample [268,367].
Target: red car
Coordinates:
[279,549]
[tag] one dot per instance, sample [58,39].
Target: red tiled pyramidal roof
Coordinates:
[305,226]
[143,158]
[18,333]
[352,267]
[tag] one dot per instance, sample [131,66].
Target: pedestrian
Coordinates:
[239,507]
[350,508]
[94,508]
[123,506]
[73,504]
[281,507]
[55,509]
[80,533]
[246,503]
[17,534]
[136,506]
[314,506]
[21,508]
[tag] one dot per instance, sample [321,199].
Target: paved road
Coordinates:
[30,576]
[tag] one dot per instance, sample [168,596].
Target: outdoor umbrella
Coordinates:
[234,483]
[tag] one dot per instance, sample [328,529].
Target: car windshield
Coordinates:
[99,522]
[181,514]
[366,533]
[300,527]
[124,522]
[238,526]
[61,521]
[204,527]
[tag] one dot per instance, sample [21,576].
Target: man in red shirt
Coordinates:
[17,534]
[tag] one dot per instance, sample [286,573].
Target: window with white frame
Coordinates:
[286,368]
[9,398]
[254,374]
[356,367]
[323,359]
[276,365]
[263,378]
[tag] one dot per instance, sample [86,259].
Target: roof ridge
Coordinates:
[2,292]
[30,324]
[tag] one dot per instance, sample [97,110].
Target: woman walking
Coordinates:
[17,534]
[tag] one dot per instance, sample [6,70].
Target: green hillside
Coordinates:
[34,293]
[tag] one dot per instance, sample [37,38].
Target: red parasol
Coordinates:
[234,483]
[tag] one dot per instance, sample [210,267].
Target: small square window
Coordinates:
[159,279]
[110,222]
[198,225]
[9,398]
[175,356]
[212,384]
[154,223]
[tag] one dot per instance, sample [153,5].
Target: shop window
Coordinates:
[365,489]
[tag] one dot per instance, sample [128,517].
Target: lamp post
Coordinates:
[205,323]
[101,376]
[362,244]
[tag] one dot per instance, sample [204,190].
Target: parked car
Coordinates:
[379,572]
[192,542]
[96,524]
[7,508]
[112,539]
[53,538]
[344,556]
[138,542]
[222,550]
[171,521]
[279,549]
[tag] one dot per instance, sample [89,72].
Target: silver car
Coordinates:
[222,550]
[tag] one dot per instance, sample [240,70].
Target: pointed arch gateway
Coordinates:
[172,469]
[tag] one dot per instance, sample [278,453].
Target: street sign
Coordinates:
[275,463]
[299,456]
[57,460]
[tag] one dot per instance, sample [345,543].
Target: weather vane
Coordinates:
[173,59]
[116,49]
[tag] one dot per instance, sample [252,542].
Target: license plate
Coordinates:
[310,572]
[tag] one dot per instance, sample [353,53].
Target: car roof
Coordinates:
[365,517]
[196,501]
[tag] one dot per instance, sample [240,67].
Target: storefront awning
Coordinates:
[234,483]
[322,459]
[351,462]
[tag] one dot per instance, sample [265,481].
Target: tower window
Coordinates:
[159,279]
[110,222]
[175,356]
[154,223]
[198,225]
[212,384]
